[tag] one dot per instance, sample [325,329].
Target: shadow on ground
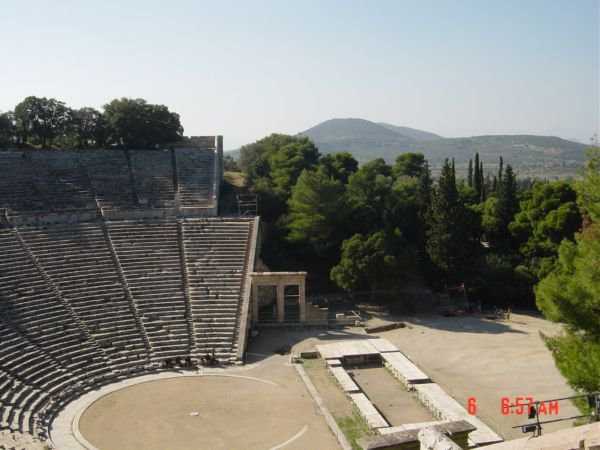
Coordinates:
[282,341]
[463,324]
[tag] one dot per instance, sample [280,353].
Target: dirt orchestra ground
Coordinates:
[234,413]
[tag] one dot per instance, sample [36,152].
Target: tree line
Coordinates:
[46,122]
[376,226]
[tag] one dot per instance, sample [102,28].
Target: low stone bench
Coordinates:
[368,412]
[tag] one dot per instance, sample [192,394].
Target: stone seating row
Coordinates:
[149,257]
[44,319]
[195,176]
[89,299]
[43,181]
[153,173]
[69,180]
[216,284]
[62,291]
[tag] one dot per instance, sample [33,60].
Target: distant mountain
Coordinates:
[542,156]
[535,156]
[364,139]
[412,133]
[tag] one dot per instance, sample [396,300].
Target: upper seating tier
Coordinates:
[94,181]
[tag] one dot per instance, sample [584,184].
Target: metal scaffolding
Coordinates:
[247,205]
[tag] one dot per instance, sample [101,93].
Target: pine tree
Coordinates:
[571,293]
[470,174]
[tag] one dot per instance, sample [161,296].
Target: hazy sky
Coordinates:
[245,69]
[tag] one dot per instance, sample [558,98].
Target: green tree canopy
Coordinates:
[506,205]
[90,128]
[549,215]
[447,236]
[408,164]
[366,262]
[317,211]
[288,162]
[7,128]
[340,165]
[368,190]
[42,119]
[570,294]
[134,123]
[254,158]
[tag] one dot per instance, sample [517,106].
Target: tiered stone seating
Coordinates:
[31,379]
[149,255]
[153,172]
[62,180]
[78,261]
[215,252]
[44,181]
[48,181]
[31,307]
[87,297]
[17,192]
[110,178]
[194,176]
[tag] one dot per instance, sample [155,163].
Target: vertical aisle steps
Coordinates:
[215,253]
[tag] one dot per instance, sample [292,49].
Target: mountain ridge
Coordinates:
[531,155]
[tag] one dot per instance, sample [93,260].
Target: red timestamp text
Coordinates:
[519,406]
[527,405]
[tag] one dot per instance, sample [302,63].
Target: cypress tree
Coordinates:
[483,187]
[477,178]
[507,205]
[470,174]
[500,168]
[447,233]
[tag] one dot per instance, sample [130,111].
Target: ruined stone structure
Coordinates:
[287,299]
[112,261]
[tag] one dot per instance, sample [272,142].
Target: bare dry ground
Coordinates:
[467,356]
[473,357]
[234,413]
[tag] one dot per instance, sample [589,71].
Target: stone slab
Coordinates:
[366,409]
[404,368]
[344,380]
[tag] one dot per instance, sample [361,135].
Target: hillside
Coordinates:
[360,137]
[412,133]
[542,156]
